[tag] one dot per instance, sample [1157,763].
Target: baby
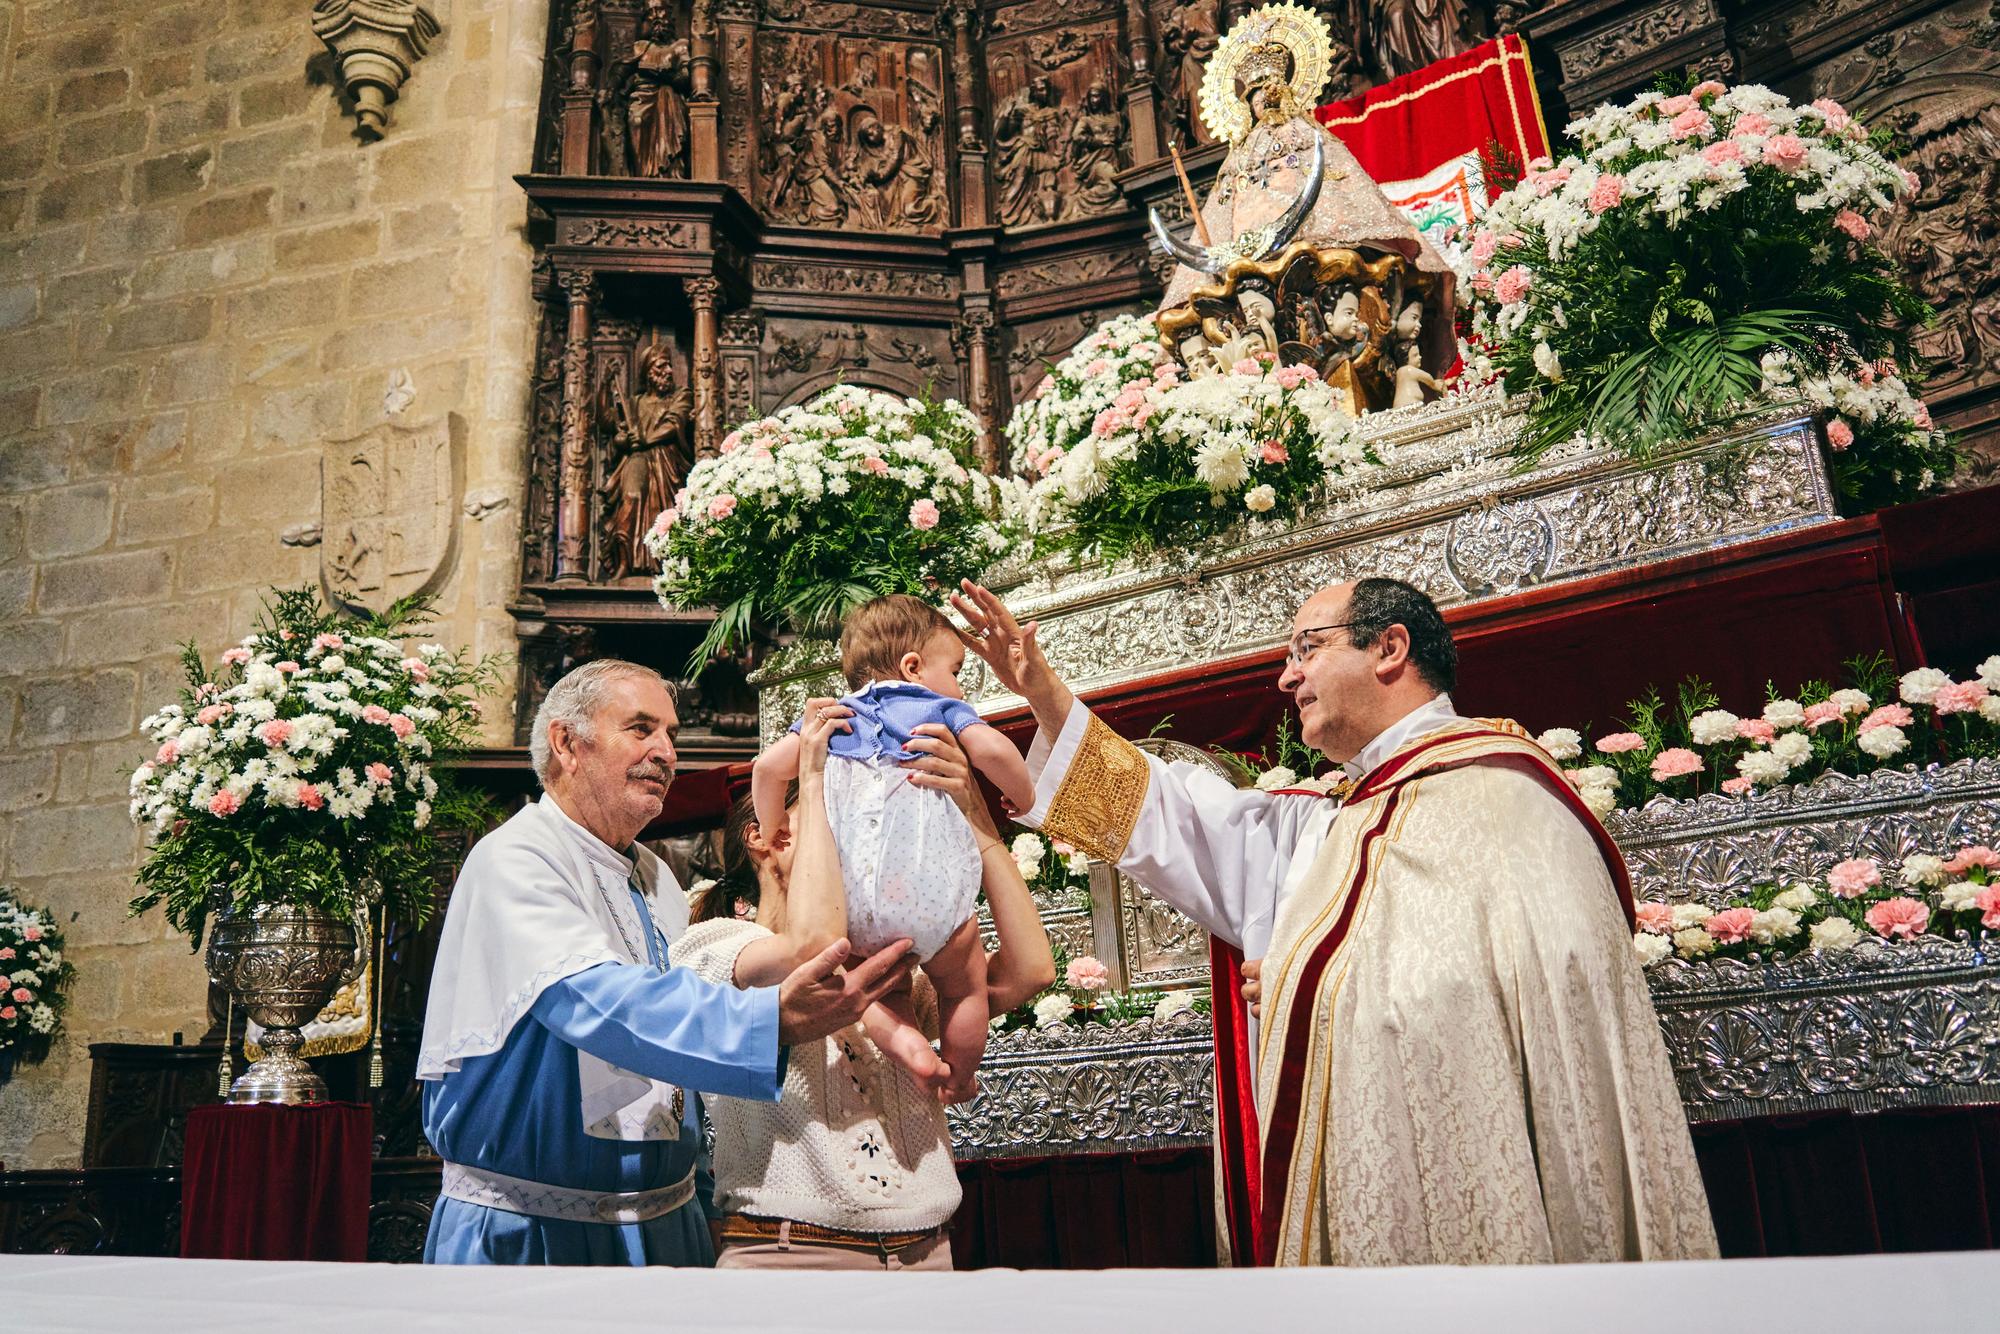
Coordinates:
[907,854]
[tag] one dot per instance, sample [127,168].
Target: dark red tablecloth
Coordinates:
[265,1182]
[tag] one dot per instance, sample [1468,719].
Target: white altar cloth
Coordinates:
[1904,1293]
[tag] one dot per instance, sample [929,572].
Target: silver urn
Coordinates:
[282,962]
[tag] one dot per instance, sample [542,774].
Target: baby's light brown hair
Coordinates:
[876,635]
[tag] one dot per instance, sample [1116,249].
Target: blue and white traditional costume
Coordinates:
[556,1047]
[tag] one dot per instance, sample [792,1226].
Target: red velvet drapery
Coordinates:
[277,1183]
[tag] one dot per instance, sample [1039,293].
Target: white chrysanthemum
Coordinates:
[1651,948]
[1782,713]
[1882,742]
[1921,686]
[1835,934]
[1921,870]
[1773,925]
[1562,743]
[1713,727]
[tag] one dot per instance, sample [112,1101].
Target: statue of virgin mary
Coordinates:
[1294,212]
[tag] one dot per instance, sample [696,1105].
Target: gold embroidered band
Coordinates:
[1101,795]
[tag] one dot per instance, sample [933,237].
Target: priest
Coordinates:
[1458,1061]
[559,1047]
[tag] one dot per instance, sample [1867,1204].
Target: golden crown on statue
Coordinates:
[1284,45]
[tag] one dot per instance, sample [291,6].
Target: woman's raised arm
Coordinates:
[815,901]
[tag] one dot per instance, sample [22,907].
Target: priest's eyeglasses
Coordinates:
[1303,647]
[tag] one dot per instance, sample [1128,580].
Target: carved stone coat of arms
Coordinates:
[390,507]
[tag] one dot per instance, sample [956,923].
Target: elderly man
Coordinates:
[1459,1062]
[559,1043]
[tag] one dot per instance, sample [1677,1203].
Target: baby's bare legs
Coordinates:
[958,972]
[891,1024]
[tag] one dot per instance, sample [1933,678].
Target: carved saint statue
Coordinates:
[1409,34]
[1094,142]
[1030,133]
[1190,33]
[656,95]
[890,177]
[651,446]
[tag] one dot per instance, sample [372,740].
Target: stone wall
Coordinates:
[204,277]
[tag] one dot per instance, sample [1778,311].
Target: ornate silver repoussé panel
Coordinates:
[1877,1027]
[1450,513]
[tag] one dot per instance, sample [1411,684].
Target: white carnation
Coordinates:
[1958,896]
[1785,713]
[1882,742]
[1028,852]
[1773,925]
[1548,363]
[1651,948]
[1798,898]
[1713,727]
[1835,934]
[1922,685]
[1260,499]
[1693,943]
[1794,748]
[1763,767]
[1851,701]
[1922,869]
[1562,743]
[1691,914]
[1051,1010]
[1173,1003]
[1599,801]
[1989,709]
[1273,779]
[1989,673]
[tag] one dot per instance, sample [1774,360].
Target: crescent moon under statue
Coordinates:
[1255,244]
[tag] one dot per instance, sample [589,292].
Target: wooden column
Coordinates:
[579,106]
[701,295]
[960,20]
[1142,116]
[975,334]
[573,462]
[704,105]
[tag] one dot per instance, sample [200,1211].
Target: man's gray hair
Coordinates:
[574,701]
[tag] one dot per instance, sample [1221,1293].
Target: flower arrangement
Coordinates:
[1929,895]
[1294,767]
[820,507]
[33,978]
[1053,869]
[301,769]
[1700,250]
[1878,721]
[1120,454]
[1081,995]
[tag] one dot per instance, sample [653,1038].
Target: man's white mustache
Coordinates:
[662,772]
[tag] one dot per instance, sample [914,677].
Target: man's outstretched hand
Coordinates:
[818,998]
[1014,654]
[1253,986]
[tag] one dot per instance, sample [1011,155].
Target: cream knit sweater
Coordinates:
[852,1142]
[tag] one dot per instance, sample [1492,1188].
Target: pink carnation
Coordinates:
[1708,88]
[924,514]
[1839,434]
[1676,105]
[1753,122]
[380,774]
[1889,715]
[32,932]
[1853,224]
[310,797]
[275,732]
[420,671]
[731,441]
[1922,417]
[1911,181]
[1607,193]
[1730,926]
[1737,786]
[1722,152]
[374,713]
[665,523]
[329,641]
[875,465]
[1513,285]
[1987,901]
[1836,115]
[1096,368]
[288,667]
[1978,855]
[721,507]
[1854,877]
[1290,377]
[5,982]
[1756,729]
[1903,917]
[168,752]
[1484,243]
[236,657]
[23,995]
[1692,123]
[1819,715]
[224,802]
[1675,762]
[1959,697]
[1655,917]
[7,951]
[1786,152]
[1087,973]
[1274,451]
[1247,366]
[1547,182]
[401,725]
[211,714]
[1112,420]
[7,1012]
[1619,743]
